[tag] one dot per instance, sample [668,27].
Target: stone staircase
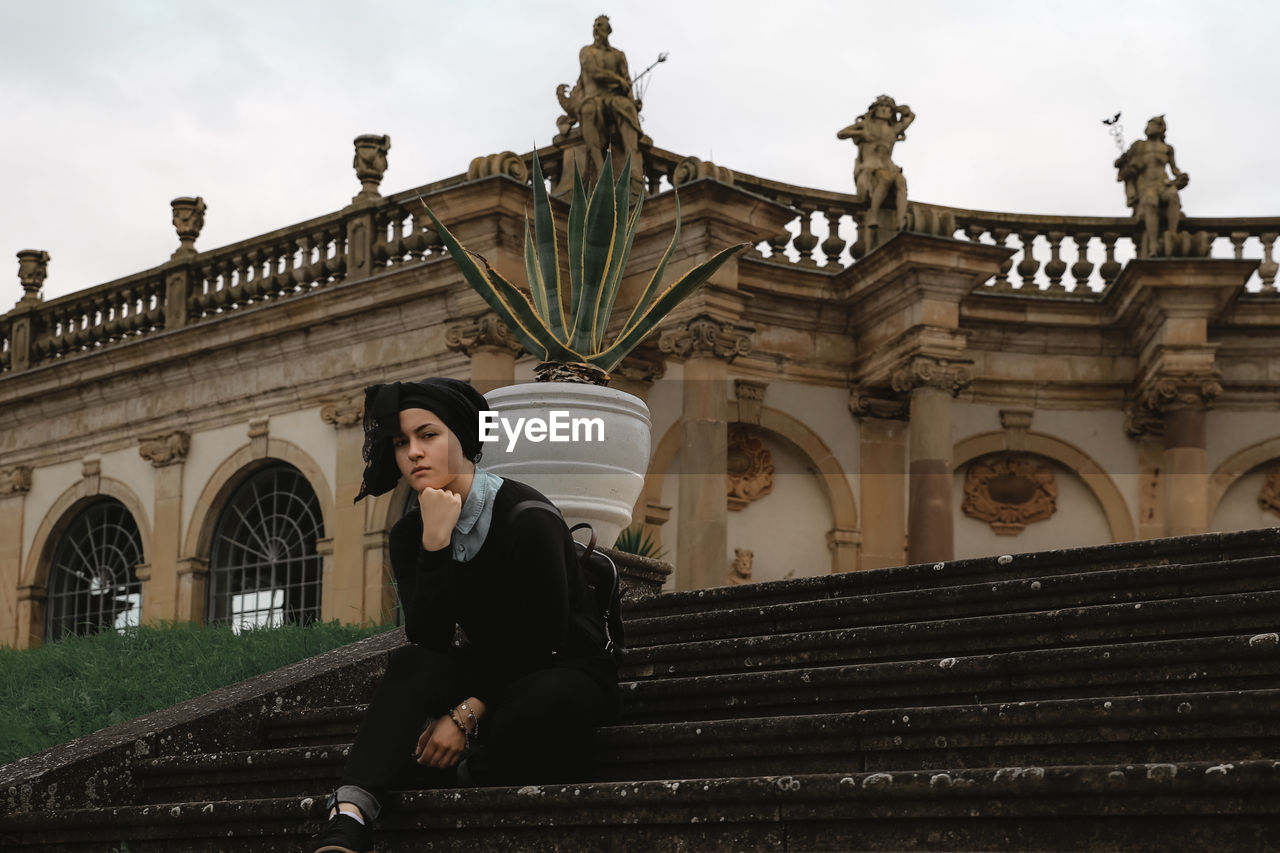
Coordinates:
[1121,697]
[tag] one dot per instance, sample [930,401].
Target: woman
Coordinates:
[516,702]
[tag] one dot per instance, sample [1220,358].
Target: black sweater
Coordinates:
[519,600]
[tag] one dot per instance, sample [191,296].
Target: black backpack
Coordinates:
[598,579]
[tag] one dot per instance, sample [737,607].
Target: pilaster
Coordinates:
[167,453]
[14,484]
[344,591]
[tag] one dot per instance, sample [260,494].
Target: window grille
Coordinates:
[263,569]
[93,581]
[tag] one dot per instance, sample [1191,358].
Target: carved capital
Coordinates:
[1165,391]
[642,368]
[750,468]
[166,448]
[878,403]
[1009,492]
[704,336]
[343,413]
[923,371]
[15,480]
[483,332]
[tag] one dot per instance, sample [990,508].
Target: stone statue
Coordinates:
[875,176]
[603,104]
[740,571]
[1150,192]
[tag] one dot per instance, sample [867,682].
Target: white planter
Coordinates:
[597,481]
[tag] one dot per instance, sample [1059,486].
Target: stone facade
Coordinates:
[861,387]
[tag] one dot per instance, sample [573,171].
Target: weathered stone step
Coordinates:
[1089,625]
[1206,664]
[1143,583]
[1184,550]
[1219,806]
[1181,727]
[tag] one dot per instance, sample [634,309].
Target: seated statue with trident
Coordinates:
[874,173]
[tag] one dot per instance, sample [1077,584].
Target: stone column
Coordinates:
[702,538]
[931,383]
[492,348]
[344,592]
[1179,402]
[167,453]
[193,581]
[14,485]
[882,478]
[636,375]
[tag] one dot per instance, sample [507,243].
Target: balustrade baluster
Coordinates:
[975,232]
[1110,267]
[1056,266]
[778,243]
[1237,243]
[1267,269]
[1001,283]
[1083,267]
[806,241]
[1028,265]
[833,245]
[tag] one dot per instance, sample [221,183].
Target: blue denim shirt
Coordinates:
[477,514]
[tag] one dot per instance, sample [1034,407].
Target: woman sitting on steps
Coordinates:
[515,704]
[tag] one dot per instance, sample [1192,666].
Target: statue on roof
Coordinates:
[877,179]
[1151,192]
[604,105]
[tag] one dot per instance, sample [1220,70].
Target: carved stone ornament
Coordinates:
[642,367]
[750,468]
[1152,181]
[878,403]
[1165,391]
[740,570]
[370,163]
[693,168]
[188,221]
[506,163]
[33,267]
[343,413]
[1010,492]
[483,332]
[15,481]
[923,371]
[166,448]
[750,397]
[1269,499]
[704,336]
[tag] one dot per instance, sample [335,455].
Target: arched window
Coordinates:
[93,582]
[264,569]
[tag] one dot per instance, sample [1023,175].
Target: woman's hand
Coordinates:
[440,510]
[440,744]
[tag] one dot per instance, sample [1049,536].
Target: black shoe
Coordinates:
[344,834]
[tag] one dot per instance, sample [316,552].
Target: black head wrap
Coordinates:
[452,400]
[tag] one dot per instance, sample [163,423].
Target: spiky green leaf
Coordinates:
[624,236]
[651,289]
[577,227]
[533,273]
[547,252]
[597,253]
[509,302]
[669,299]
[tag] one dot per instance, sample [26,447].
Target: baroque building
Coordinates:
[877,381]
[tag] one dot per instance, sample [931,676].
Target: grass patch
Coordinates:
[64,690]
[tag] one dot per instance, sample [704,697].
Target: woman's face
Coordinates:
[427,452]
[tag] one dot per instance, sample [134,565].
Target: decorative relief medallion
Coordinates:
[1269,499]
[750,468]
[166,448]
[1010,492]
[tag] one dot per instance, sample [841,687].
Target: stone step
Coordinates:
[1185,550]
[1088,625]
[958,601]
[1208,664]
[1180,727]
[1131,806]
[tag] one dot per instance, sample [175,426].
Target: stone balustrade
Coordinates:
[1056,257]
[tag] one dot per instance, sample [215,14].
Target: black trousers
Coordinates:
[537,731]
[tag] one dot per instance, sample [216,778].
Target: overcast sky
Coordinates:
[111,108]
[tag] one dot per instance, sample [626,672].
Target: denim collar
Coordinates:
[477,514]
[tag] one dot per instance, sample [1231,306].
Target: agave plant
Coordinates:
[600,233]
[634,540]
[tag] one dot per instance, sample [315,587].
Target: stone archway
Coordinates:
[1236,466]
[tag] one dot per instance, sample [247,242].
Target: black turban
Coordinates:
[452,400]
